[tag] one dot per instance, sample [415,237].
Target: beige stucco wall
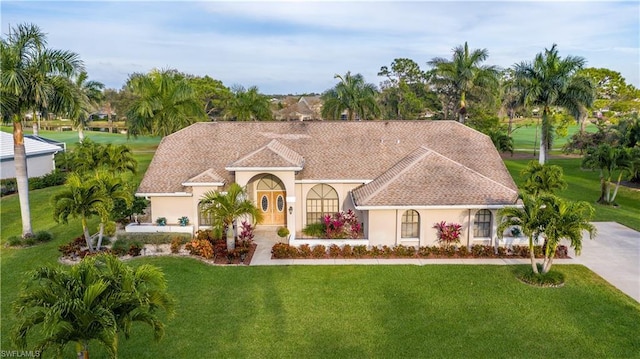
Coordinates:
[172,208]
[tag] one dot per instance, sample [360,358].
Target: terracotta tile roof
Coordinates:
[427,178]
[274,154]
[332,150]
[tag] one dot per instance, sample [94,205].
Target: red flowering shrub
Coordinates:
[342,225]
[448,233]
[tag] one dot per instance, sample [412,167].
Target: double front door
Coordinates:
[273,206]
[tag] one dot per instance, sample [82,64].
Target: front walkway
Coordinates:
[614,255]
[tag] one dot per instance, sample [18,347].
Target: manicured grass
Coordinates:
[584,185]
[524,136]
[380,311]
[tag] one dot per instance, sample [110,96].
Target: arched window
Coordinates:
[482,224]
[322,199]
[204,219]
[410,227]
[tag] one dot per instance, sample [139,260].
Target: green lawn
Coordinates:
[584,185]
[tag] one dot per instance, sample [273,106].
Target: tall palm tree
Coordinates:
[247,105]
[351,94]
[465,75]
[80,198]
[165,103]
[90,95]
[91,301]
[529,218]
[540,179]
[551,81]
[29,71]
[226,207]
[565,220]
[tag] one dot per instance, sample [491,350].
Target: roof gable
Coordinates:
[272,155]
[427,178]
[207,177]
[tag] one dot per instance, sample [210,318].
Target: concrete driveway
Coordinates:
[615,256]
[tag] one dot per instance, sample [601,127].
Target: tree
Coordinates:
[565,220]
[608,160]
[352,94]
[465,76]
[404,92]
[90,95]
[90,156]
[542,179]
[80,198]
[28,73]
[226,207]
[212,93]
[550,81]
[113,188]
[529,218]
[248,105]
[91,301]
[511,99]
[165,103]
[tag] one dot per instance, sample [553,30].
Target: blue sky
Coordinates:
[298,46]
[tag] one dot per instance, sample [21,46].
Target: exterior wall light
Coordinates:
[290,209]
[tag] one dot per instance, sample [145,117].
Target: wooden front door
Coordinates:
[273,206]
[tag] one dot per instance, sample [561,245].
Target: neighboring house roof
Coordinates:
[446,158]
[32,147]
[307,107]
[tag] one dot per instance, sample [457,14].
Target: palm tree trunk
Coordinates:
[615,192]
[462,110]
[534,267]
[22,177]
[87,236]
[80,133]
[101,233]
[543,145]
[231,242]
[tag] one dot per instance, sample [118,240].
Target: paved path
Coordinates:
[614,255]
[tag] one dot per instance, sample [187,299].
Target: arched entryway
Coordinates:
[270,196]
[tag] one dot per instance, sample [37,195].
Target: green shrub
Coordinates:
[283,232]
[319,251]
[128,246]
[154,238]
[43,236]
[463,251]
[386,251]
[375,252]
[14,241]
[502,252]
[315,230]
[424,251]
[400,251]
[55,178]
[29,241]
[551,279]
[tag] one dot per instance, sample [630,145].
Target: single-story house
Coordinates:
[39,151]
[399,177]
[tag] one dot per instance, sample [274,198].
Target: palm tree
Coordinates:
[565,220]
[539,179]
[165,103]
[90,95]
[80,198]
[529,218]
[465,76]
[352,94]
[551,81]
[608,160]
[247,105]
[92,301]
[119,158]
[226,207]
[112,188]
[28,73]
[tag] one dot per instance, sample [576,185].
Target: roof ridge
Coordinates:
[405,167]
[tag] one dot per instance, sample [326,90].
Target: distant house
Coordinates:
[40,152]
[306,108]
[399,177]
